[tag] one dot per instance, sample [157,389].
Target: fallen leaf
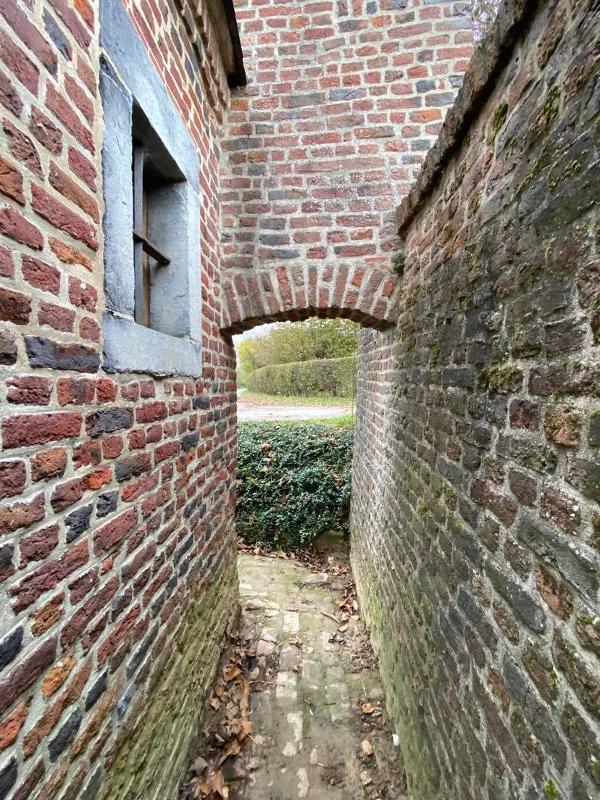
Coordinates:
[199,765]
[232,749]
[230,672]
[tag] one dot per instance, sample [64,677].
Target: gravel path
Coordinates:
[252,413]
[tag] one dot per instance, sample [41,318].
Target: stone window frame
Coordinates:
[129,80]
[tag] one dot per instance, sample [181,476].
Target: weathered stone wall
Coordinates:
[344,97]
[117,489]
[476,517]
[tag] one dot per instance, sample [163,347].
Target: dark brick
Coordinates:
[54,31]
[26,673]
[44,352]
[107,503]
[77,522]
[132,466]
[303,100]
[7,568]
[585,476]
[65,736]
[594,434]
[588,632]
[573,563]
[108,420]
[10,646]
[534,711]
[583,740]
[537,458]
[582,679]
[190,441]
[523,487]
[96,691]
[8,777]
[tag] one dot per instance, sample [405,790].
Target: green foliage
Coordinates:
[398,263]
[299,341]
[330,376]
[293,482]
[550,790]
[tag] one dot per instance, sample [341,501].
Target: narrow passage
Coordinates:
[319,729]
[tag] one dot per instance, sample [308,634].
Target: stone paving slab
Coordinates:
[308,725]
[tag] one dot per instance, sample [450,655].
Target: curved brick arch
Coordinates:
[369,296]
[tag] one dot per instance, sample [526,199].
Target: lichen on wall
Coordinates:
[149,757]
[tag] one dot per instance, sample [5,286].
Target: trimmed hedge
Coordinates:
[322,376]
[293,482]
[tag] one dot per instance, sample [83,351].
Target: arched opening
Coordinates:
[299,703]
[368,296]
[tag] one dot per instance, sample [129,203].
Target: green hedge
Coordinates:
[293,482]
[323,376]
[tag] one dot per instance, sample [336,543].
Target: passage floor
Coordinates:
[319,727]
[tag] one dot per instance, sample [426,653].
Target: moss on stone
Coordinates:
[550,790]
[550,108]
[150,759]
[500,378]
[595,539]
[399,263]
[498,120]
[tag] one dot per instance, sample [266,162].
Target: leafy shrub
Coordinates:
[293,482]
[320,376]
[285,342]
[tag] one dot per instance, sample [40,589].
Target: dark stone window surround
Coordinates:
[128,77]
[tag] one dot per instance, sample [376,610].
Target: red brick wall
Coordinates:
[343,100]
[116,490]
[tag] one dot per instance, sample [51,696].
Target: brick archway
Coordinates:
[366,295]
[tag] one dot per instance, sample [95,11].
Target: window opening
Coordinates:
[144,248]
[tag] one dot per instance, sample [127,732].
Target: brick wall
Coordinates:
[475,511]
[116,514]
[344,98]
[476,516]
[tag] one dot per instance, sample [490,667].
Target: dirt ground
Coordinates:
[298,709]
